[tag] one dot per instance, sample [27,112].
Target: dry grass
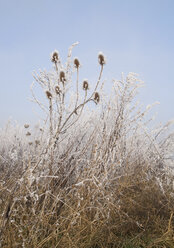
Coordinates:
[88,179]
[129,210]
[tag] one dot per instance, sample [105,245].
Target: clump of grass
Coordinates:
[87,178]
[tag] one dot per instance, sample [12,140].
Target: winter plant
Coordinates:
[92,173]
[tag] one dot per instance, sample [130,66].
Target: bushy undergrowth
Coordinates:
[93,175]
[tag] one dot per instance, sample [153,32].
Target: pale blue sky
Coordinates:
[136,36]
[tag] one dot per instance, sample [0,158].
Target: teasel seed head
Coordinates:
[55,56]
[37,142]
[96,97]
[28,134]
[85,84]
[76,63]
[26,126]
[62,76]
[57,90]
[48,94]
[101,59]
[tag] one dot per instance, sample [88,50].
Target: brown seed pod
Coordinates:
[55,56]
[76,63]
[96,97]
[57,90]
[85,84]
[26,125]
[62,76]
[37,142]
[28,134]
[48,94]
[101,58]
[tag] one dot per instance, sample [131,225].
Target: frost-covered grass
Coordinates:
[93,175]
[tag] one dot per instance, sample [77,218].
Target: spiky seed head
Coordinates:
[48,94]
[37,142]
[57,90]
[62,76]
[76,63]
[85,84]
[26,125]
[28,134]
[55,56]
[101,58]
[96,97]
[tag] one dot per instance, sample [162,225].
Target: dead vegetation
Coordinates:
[94,178]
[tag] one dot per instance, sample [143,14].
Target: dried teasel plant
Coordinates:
[101,59]
[57,90]
[93,170]
[37,142]
[57,106]
[62,76]
[76,63]
[28,134]
[26,125]
[55,56]
[85,84]
[96,97]
[48,94]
